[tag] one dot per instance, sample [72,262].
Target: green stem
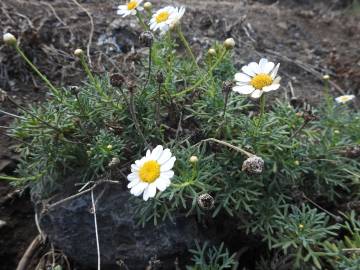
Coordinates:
[262,107]
[143,24]
[262,110]
[10,178]
[189,89]
[187,46]
[37,71]
[90,75]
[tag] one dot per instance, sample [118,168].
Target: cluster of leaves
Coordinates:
[80,130]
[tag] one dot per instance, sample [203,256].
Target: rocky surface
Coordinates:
[70,227]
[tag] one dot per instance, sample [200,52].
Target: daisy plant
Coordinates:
[282,177]
[344,99]
[257,79]
[130,8]
[151,172]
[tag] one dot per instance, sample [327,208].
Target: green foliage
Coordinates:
[306,155]
[211,258]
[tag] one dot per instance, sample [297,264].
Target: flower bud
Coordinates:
[301,226]
[3,95]
[9,39]
[229,43]
[326,77]
[114,161]
[206,201]
[194,159]
[211,52]
[148,6]
[109,147]
[160,77]
[117,79]
[253,165]
[78,52]
[146,38]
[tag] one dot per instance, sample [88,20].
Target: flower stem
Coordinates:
[189,89]
[186,44]
[135,120]
[53,89]
[90,75]
[143,24]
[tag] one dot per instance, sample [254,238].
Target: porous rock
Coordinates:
[70,227]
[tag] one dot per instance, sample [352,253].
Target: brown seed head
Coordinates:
[253,165]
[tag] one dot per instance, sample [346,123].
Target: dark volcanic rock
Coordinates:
[70,227]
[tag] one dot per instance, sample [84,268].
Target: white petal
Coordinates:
[133,183]
[168,165]
[275,71]
[167,174]
[148,153]
[132,176]
[162,183]
[165,156]
[139,188]
[134,168]
[146,194]
[268,67]
[271,87]
[254,67]
[156,153]
[152,190]
[245,89]
[241,77]
[256,94]
[277,80]
[262,64]
[247,70]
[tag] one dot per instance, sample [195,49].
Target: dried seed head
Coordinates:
[308,116]
[351,152]
[296,103]
[148,6]
[227,87]
[211,52]
[78,52]
[206,201]
[160,77]
[9,39]
[194,159]
[131,87]
[146,38]
[114,162]
[3,95]
[117,79]
[229,43]
[253,165]
[74,89]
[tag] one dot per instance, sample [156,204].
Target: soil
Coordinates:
[309,39]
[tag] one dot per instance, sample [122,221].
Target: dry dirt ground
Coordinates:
[308,37]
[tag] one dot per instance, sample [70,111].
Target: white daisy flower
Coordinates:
[177,15]
[130,8]
[151,172]
[165,18]
[344,99]
[255,79]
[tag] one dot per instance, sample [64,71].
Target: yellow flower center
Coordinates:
[149,171]
[162,16]
[261,80]
[132,4]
